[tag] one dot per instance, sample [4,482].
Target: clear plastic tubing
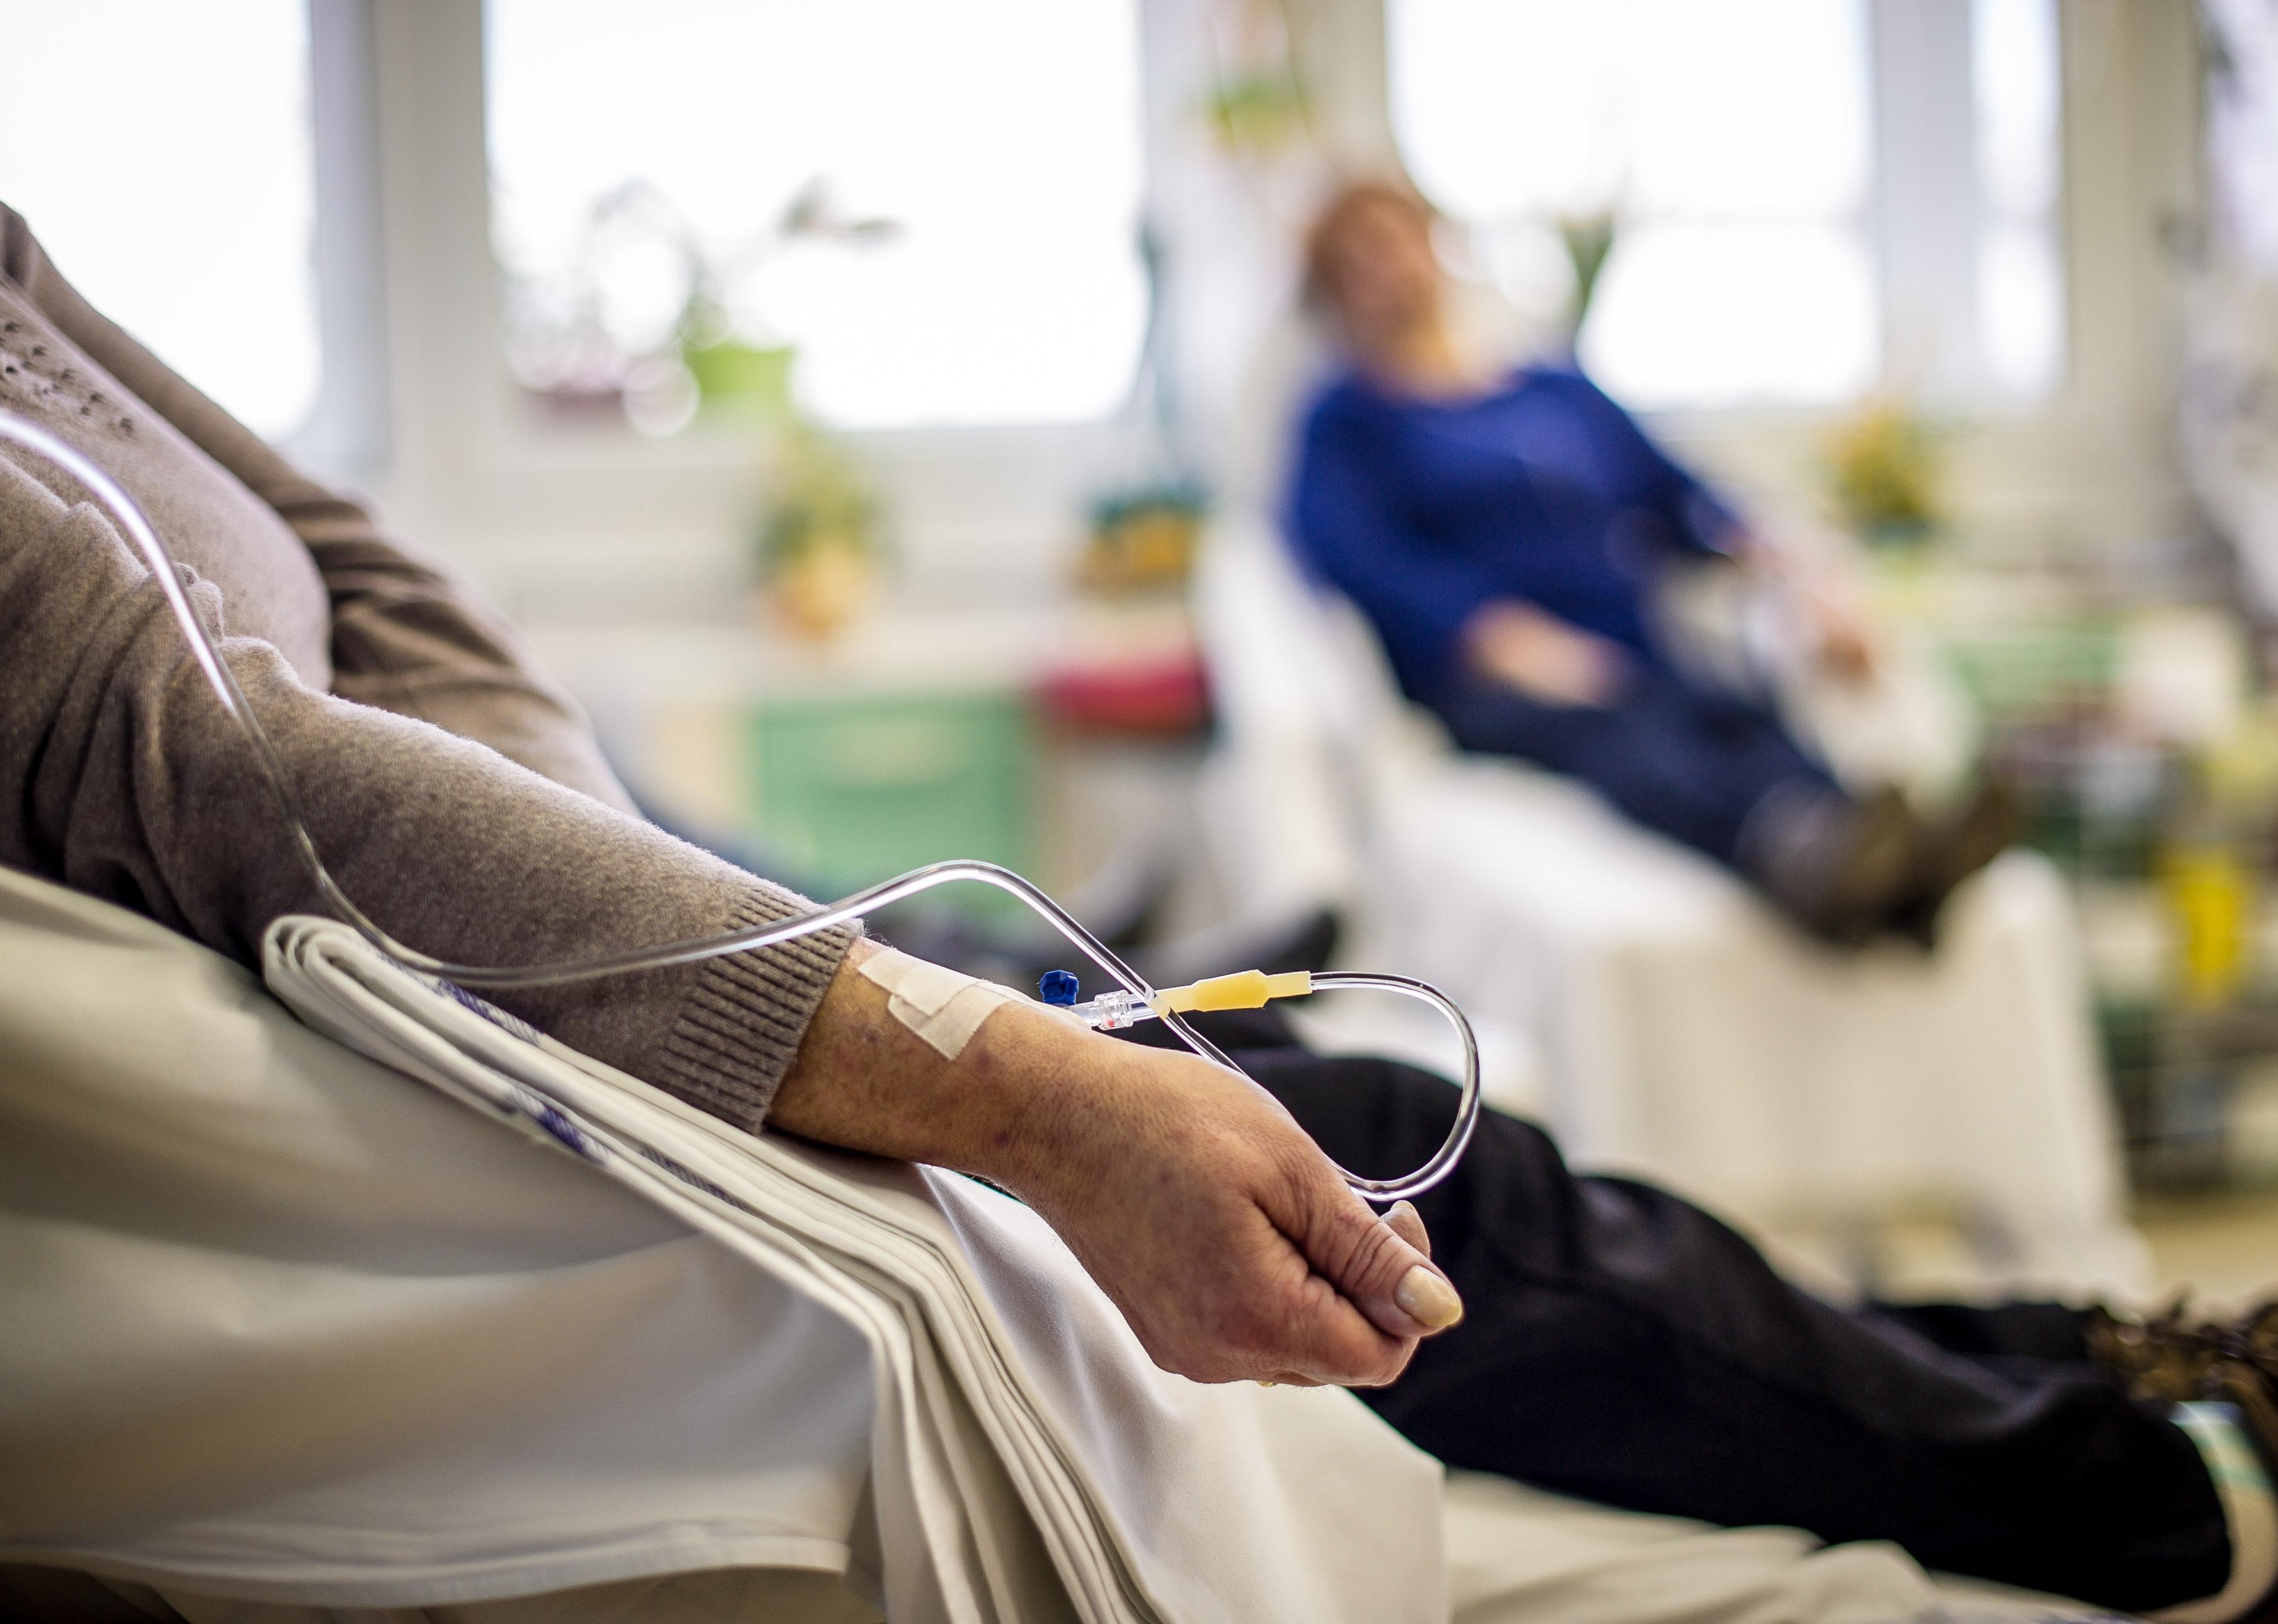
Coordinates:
[137,528]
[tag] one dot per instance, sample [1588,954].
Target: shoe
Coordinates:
[1946,854]
[1839,867]
[2167,1359]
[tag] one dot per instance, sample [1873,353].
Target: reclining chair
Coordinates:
[1674,1027]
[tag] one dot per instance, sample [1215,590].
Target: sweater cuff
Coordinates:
[739,1027]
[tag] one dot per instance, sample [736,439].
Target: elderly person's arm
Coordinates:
[1695,520]
[125,779]
[1220,1230]
[405,635]
[1433,613]
[458,798]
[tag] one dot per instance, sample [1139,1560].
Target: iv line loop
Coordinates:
[129,515]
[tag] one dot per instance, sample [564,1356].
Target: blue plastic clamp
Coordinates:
[1060,987]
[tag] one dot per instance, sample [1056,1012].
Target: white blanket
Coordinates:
[1016,1416]
[282,1325]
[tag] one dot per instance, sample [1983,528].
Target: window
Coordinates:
[178,199]
[2242,38]
[2020,261]
[1732,140]
[935,206]
[1766,251]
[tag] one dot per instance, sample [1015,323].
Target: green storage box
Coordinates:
[856,790]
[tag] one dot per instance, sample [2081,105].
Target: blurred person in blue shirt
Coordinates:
[1506,532]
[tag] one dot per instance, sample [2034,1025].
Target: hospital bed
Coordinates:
[428,1322]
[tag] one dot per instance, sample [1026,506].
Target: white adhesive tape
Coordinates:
[942,1005]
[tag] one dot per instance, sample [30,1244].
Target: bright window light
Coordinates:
[2242,130]
[2021,296]
[1732,142]
[174,187]
[935,205]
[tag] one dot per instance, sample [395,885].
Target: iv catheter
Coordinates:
[1134,1000]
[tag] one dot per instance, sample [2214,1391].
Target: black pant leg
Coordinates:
[1621,1344]
[2015,1330]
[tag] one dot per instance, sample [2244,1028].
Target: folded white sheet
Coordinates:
[282,1325]
[1024,1443]
[285,1325]
[1517,1555]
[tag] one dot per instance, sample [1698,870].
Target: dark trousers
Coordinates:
[1680,759]
[1621,1345]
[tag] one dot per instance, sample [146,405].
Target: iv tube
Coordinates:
[130,518]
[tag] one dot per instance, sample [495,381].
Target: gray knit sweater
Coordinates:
[457,797]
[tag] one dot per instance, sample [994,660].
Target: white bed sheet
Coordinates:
[292,1336]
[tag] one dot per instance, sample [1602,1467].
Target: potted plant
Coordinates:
[818,540]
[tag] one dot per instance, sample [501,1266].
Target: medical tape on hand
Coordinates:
[942,1005]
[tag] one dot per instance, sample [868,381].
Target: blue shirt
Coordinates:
[1542,489]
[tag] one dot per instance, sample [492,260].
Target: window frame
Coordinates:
[346,434]
[452,275]
[2092,458]
[1921,221]
[540,513]
[296,135]
[1854,224]
[1130,391]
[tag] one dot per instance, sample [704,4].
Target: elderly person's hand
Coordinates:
[1841,640]
[1837,634]
[1542,656]
[1220,1230]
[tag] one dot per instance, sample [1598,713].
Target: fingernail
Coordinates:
[1399,1207]
[1427,1299]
